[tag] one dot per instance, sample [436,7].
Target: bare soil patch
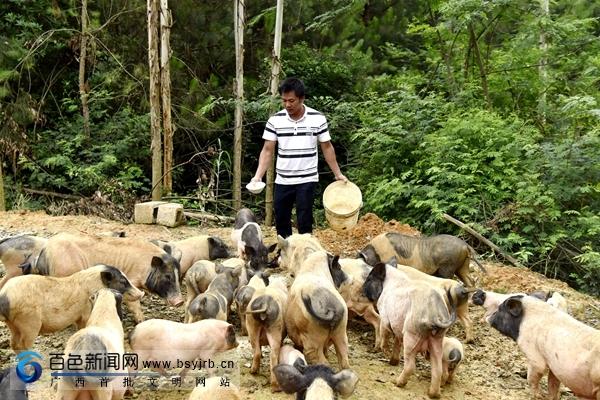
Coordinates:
[494,367]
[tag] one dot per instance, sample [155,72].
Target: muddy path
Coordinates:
[494,367]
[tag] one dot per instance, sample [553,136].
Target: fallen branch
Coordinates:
[508,257]
[208,217]
[53,194]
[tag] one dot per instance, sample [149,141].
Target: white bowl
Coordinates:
[255,187]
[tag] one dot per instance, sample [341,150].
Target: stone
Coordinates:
[146,213]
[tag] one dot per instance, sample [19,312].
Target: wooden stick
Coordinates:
[209,217]
[508,257]
[53,194]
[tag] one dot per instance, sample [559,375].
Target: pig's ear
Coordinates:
[393,262]
[373,285]
[237,271]
[514,306]
[290,379]
[344,382]
[272,247]
[283,243]
[333,261]
[219,268]
[248,251]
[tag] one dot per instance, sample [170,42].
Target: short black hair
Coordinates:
[292,85]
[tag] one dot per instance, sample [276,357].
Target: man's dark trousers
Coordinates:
[285,195]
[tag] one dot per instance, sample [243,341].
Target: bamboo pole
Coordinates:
[83,86]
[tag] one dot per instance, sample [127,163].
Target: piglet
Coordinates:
[452,354]
[248,239]
[290,356]
[215,302]
[315,382]
[175,342]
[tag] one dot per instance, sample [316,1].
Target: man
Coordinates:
[295,132]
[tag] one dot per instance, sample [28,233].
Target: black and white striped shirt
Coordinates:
[297,153]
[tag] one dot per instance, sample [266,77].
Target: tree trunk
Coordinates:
[239,11]
[83,85]
[480,65]
[275,70]
[165,85]
[2,198]
[154,69]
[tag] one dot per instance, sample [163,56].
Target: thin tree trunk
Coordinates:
[239,12]
[154,68]
[83,85]
[165,85]
[479,61]
[543,71]
[275,70]
[2,198]
[446,54]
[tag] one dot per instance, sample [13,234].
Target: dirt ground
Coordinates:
[494,367]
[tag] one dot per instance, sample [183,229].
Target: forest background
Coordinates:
[486,110]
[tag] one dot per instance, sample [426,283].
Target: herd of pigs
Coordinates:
[401,285]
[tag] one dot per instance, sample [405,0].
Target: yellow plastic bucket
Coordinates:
[342,203]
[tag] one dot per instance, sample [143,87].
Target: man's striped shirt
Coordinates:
[297,153]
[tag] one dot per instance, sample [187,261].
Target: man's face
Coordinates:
[293,104]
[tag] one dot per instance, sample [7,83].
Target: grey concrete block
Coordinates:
[170,214]
[146,213]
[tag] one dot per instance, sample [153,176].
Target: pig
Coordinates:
[197,279]
[34,304]
[453,354]
[291,356]
[457,294]
[349,283]
[214,389]
[201,247]
[316,314]
[315,382]
[440,255]
[148,267]
[247,238]
[294,249]
[18,254]
[244,294]
[170,249]
[235,262]
[552,340]
[103,334]
[216,301]
[11,386]
[416,313]
[555,299]
[265,323]
[169,341]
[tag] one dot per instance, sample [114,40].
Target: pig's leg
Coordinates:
[313,350]
[372,318]
[27,330]
[101,394]
[446,375]
[242,316]
[254,338]
[136,309]
[435,357]
[410,359]
[395,357]
[340,342]
[275,338]
[534,374]
[553,386]
[462,313]
[463,274]
[383,339]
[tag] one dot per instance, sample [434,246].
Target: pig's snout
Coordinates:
[175,301]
